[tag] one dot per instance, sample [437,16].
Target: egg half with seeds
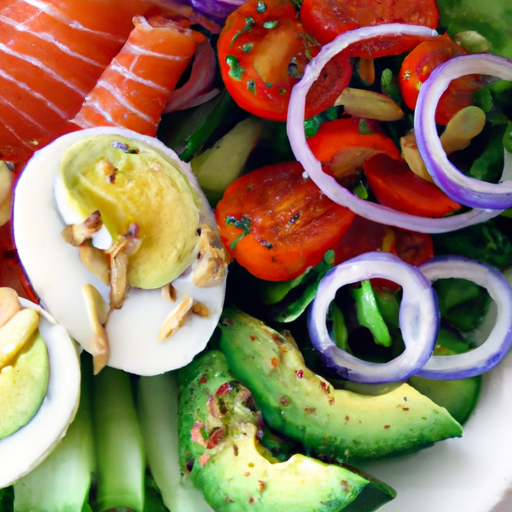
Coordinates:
[39,385]
[120,244]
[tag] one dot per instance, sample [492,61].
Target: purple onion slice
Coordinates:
[492,351]
[419,318]
[329,186]
[459,187]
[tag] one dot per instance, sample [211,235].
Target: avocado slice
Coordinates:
[328,422]
[459,396]
[23,385]
[223,163]
[218,439]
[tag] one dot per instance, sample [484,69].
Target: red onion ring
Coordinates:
[419,318]
[492,351]
[218,10]
[199,86]
[459,187]
[328,184]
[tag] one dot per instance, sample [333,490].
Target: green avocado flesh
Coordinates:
[218,445]
[23,386]
[328,422]
[130,182]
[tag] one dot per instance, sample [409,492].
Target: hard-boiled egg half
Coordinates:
[39,385]
[138,275]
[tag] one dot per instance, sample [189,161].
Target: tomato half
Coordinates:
[276,223]
[263,50]
[418,66]
[344,144]
[326,19]
[396,186]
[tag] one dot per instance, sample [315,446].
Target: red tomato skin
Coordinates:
[345,133]
[292,224]
[364,235]
[326,19]
[418,66]
[396,186]
[258,77]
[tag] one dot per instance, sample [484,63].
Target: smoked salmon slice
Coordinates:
[133,89]
[52,53]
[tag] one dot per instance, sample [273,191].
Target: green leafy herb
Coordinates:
[488,242]
[312,125]
[249,23]
[236,71]
[270,24]
[244,223]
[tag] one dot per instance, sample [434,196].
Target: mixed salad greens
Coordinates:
[135,445]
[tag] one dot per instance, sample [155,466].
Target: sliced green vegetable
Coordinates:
[390,87]
[196,127]
[221,164]
[119,449]
[462,304]
[62,481]
[459,397]
[339,327]
[389,306]
[369,315]
[158,410]
[291,298]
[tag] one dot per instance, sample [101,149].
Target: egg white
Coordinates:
[22,451]
[57,274]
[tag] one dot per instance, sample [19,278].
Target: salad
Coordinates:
[294,281]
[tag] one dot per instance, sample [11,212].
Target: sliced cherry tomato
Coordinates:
[364,236]
[263,50]
[396,186]
[326,19]
[418,66]
[344,144]
[276,223]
